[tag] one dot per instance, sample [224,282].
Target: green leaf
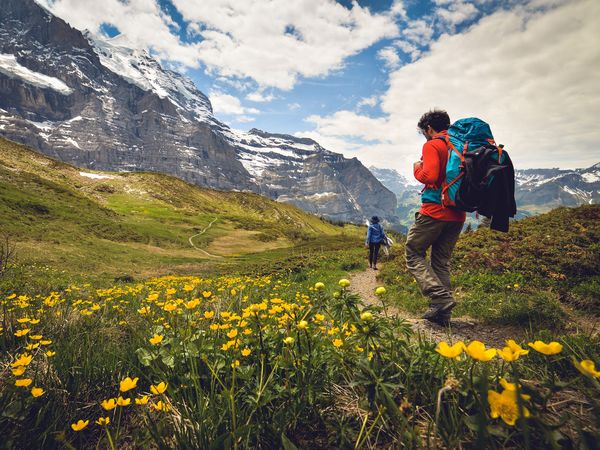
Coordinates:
[286,443]
[144,356]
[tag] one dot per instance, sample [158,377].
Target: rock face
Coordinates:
[101,105]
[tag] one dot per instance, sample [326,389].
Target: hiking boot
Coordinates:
[439,313]
[441,320]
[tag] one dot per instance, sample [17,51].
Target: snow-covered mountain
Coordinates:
[97,103]
[536,190]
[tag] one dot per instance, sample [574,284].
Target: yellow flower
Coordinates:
[587,367]
[450,352]
[505,405]
[553,348]
[23,382]
[366,316]
[512,351]
[319,317]
[171,291]
[302,325]
[32,346]
[109,404]
[22,332]
[206,294]
[102,421]
[476,350]
[80,425]
[144,310]
[127,384]
[169,307]
[337,343]
[18,371]
[319,286]
[46,342]
[288,340]
[161,406]
[380,290]
[156,339]
[516,348]
[233,333]
[37,391]
[344,282]
[246,352]
[209,314]
[142,400]
[188,288]
[123,401]
[50,354]
[192,303]
[159,388]
[36,337]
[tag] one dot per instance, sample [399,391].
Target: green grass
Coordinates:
[540,274]
[138,224]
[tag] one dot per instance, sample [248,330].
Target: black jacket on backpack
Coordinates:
[488,186]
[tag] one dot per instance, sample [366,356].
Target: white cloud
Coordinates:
[272,42]
[294,106]
[228,104]
[259,97]
[409,48]
[418,31]
[455,12]
[141,21]
[368,101]
[277,42]
[389,56]
[537,86]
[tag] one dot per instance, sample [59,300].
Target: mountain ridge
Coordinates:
[124,112]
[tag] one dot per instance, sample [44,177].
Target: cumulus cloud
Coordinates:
[536,86]
[276,42]
[273,43]
[228,104]
[368,101]
[142,22]
[455,12]
[260,97]
[389,56]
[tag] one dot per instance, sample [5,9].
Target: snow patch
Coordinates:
[9,66]
[95,176]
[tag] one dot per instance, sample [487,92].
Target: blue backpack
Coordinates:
[473,160]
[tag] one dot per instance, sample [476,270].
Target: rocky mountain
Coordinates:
[537,190]
[98,104]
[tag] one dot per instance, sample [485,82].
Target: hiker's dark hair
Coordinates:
[374,219]
[437,118]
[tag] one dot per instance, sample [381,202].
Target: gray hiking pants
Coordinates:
[432,278]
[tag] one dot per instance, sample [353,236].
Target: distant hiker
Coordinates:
[375,237]
[436,227]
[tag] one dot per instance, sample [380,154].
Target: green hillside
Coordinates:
[139,224]
[545,271]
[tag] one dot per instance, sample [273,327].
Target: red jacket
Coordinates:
[431,172]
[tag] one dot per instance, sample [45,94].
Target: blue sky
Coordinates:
[356,76]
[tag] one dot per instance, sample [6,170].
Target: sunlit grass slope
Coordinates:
[139,223]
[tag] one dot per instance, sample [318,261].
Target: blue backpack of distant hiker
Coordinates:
[473,161]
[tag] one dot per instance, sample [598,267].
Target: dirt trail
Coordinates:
[461,328]
[198,234]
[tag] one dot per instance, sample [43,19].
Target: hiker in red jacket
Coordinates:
[436,227]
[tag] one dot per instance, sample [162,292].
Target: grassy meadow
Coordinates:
[116,333]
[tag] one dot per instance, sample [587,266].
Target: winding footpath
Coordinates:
[461,328]
[198,234]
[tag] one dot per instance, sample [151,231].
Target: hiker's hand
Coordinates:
[417,164]
[366,245]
